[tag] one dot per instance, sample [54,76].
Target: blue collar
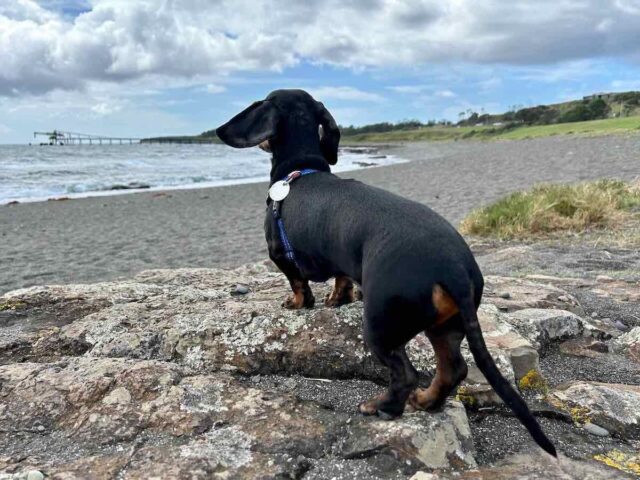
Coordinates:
[299,173]
[275,209]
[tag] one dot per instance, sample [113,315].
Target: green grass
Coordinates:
[593,127]
[555,208]
[422,134]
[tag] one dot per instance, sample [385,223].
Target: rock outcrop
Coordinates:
[163,375]
[628,344]
[532,467]
[173,422]
[612,406]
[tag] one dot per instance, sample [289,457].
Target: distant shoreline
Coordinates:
[118,189]
[103,238]
[591,128]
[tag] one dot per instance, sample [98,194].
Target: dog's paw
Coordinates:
[368,411]
[423,399]
[337,299]
[331,301]
[376,406]
[299,301]
[370,407]
[294,302]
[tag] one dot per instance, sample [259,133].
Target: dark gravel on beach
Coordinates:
[344,395]
[102,238]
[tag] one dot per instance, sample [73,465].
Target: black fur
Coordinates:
[397,250]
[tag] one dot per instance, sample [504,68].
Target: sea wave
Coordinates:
[31,173]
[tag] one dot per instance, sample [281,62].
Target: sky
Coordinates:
[158,67]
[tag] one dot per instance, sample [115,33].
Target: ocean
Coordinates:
[35,173]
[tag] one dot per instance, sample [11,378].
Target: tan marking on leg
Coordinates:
[301,297]
[266,146]
[424,399]
[370,407]
[341,294]
[295,301]
[444,305]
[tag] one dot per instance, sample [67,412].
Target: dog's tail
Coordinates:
[487,366]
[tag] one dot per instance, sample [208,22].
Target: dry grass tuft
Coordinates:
[604,204]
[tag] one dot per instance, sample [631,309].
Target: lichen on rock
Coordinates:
[153,376]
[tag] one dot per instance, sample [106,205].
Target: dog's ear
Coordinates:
[330,135]
[250,127]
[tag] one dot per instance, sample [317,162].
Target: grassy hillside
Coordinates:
[592,127]
[598,114]
[507,132]
[440,133]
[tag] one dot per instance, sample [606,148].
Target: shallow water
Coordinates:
[29,173]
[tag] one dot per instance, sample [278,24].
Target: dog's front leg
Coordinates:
[302,296]
[343,293]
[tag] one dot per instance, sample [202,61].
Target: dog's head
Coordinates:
[286,123]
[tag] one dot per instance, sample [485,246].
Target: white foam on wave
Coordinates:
[35,173]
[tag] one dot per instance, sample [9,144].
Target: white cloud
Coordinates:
[490,83]
[625,85]
[214,88]
[559,73]
[424,92]
[410,89]
[345,93]
[43,47]
[445,94]
[629,6]
[90,111]
[106,108]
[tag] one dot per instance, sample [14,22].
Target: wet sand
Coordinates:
[102,238]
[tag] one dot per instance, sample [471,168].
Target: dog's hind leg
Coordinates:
[451,368]
[302,296]
[390,321]
[404,379]
[342,293]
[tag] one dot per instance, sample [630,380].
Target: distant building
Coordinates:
[601,95]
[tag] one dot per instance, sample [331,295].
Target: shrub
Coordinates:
[596,108]
[629,98]
[550,208]
[542,114]
[579,113]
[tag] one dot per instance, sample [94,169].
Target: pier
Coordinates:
[60,137]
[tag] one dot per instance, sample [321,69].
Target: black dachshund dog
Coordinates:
[415,271]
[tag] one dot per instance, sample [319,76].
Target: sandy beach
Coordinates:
[102,238]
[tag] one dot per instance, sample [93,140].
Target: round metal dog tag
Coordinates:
[279,191]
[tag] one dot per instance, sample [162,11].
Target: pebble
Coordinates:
[604,279]
[597,430]
[34,475]
[505,295]
[594,314]
[424,476]
[240,290]
[620,326]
